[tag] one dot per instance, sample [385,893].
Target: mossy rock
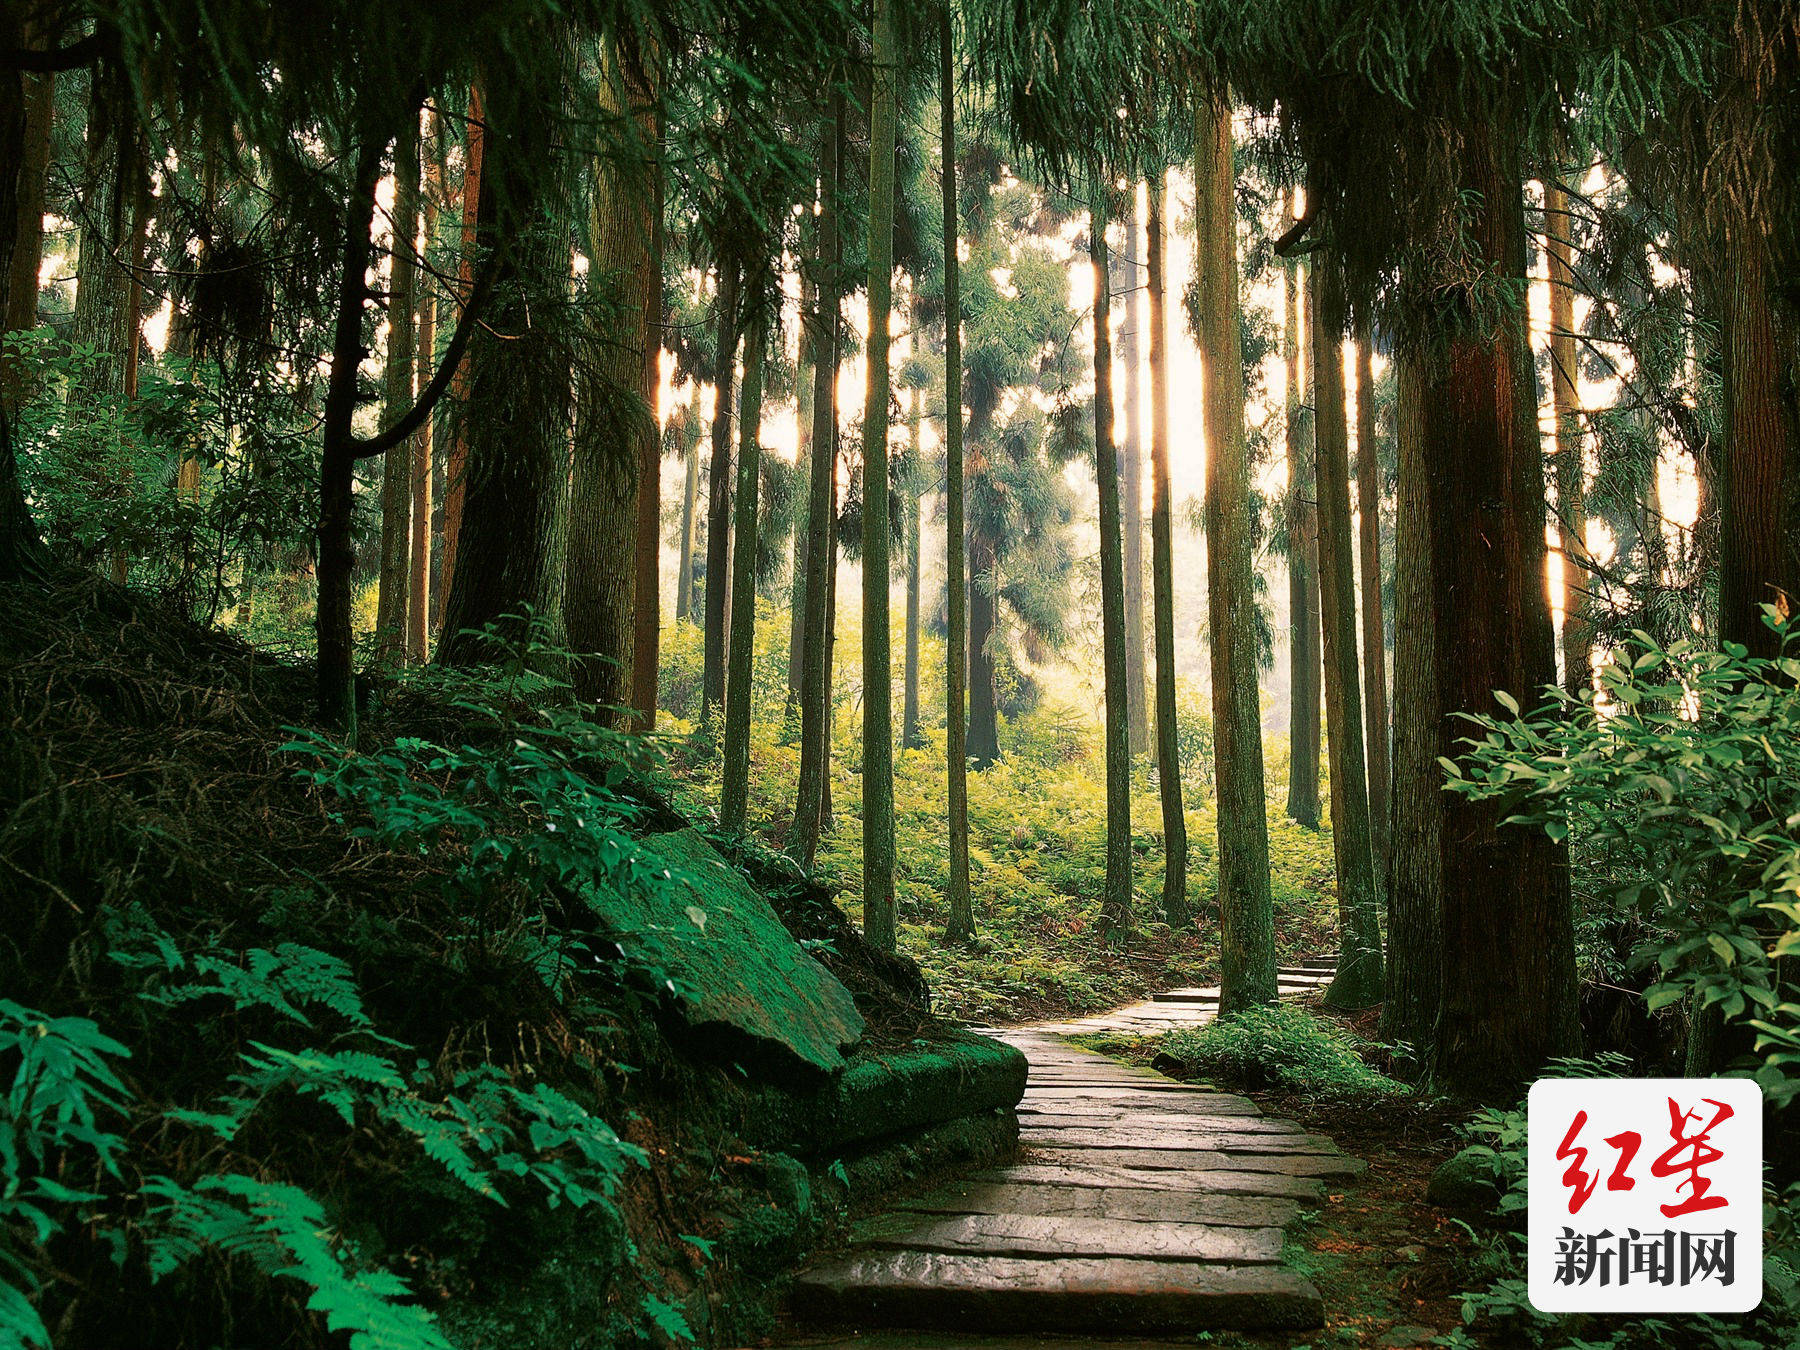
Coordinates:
[894,1092]
[741,985]
[1465,1182]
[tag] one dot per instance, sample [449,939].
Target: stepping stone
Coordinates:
[1128,1136]
[1208,1160]
[1081,1171]
[1071,1236]
[1064,1116]
[1113,1202]
[1176,1097]
[997,1293]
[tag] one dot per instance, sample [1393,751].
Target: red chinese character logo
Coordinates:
[1699,1151]
[1626,1143]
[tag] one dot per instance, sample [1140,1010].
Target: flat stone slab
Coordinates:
[1063,1116]
[1130,1098]
[1078,1171]
[1061,1235]
[1133,1137]
[989,1293]
[1209,1160]
[1108,1202]
[737,977]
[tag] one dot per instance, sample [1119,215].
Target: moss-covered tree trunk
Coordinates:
[1374,629]
[395,579]
[718,491]
[1303,563]
[877,669]
[1175,908]
[1358,982]
[1508,937]
[956,662]
[1571,480]
[734,791]
[1246,914]
[1414,925]
[1115,904]
[617,445]
[821,502]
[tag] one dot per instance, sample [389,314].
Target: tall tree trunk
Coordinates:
[878,726]
[23,557]
[1759,483]
[418,605]
[456,460]
[100,280]
[396,472]
[1374,630]
[1176,911]
[1131,484]
[1115,906]
[516,480]
[646,640]
[617,446]
[912,505]
[690,493]
[1508,936]
[821,504]
[1571,485]
[718,490]
[805,395]
[740,676]
[337,465]
[1358,982]
[961,927]
[1303,565]
[38,95]
[1246,913]
[1414,926]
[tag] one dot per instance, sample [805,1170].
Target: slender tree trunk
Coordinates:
[1358,982]
[418,605]
[1508,938]
[1116,906]
[456,461]
[984,701]
[1571,485]
[1414,926]
[909,703]
[1131,484]
[1176,911]
[718,491]
[821,508]
[617,447]
[337,467]
[396,471]
[646,640]
[1374,629]
[517,476]
[735,790]
[100,280]
[690,493]
[878,726]
[1759,485]
[805,396]
[1303,570]
[961,927]
[1246,913]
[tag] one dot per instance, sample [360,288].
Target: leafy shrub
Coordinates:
[1283,1047]
[1686,771]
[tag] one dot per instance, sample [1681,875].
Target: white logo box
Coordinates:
[1616,1151]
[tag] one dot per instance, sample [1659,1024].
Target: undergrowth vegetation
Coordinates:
[1284,1049]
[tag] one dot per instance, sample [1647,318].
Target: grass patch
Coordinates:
[1285,1049]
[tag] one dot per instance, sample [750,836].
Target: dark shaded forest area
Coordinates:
[709,672]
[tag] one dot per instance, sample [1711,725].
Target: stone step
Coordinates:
[1128,1136]
[1065,1116]
[1083,1171]
[1206,1160]
[1051,1097]
[1110,1202]
[1118,1296]
[1062,1235]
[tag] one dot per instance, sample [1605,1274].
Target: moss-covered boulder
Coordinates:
[1466,1182]
[736,978]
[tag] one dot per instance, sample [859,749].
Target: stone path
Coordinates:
[1193,1007]
[1140,1206]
